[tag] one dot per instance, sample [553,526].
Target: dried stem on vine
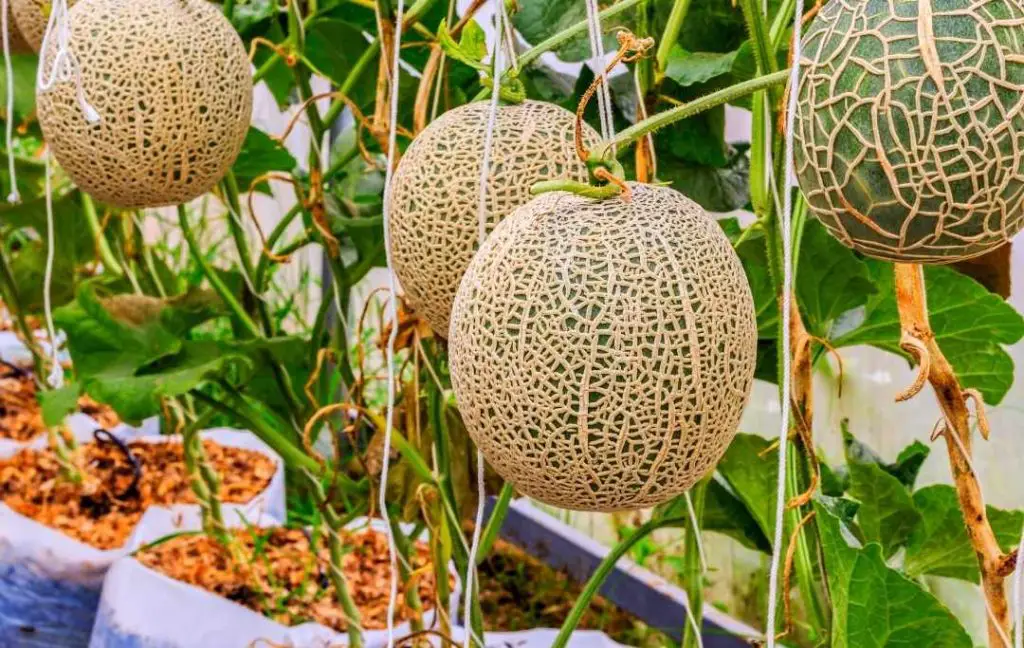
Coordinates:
[919,340]
[803,400]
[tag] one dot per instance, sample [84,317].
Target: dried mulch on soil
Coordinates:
[98,512]
[21,418]
[284,581]
[519,592]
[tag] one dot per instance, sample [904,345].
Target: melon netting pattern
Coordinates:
[909,126]
[19,42]
[602,351]
[171,82]
[31,17]
[434,223]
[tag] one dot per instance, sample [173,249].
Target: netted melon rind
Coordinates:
[31,17]
[602,352]
[171,82]
[436,191]
[893,167]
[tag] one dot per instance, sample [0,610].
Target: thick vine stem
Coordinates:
[993,563]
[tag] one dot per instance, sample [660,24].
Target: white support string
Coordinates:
[787,285]
[485,171]
[56,376]
[604,97]
[65,65]
[12,197]
[393,314]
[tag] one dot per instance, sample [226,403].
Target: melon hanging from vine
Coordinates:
[171,82]
[434,222]
[909,126]
[602,351]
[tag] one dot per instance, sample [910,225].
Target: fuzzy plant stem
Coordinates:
[58,443]
[918,339]
[333,525]
[669,37]
[110,263]
[493,528]
[412,593]
[693,577]
[604,569]
[205,485]
[725,95]
[12,298]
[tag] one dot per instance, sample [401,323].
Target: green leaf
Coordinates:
[334,46]
[473,41]
[971,326]
[57,404]
[536,20]
[750,471]
[687,68]
[717,188]
[260,154]
[888,610]
[754,257]
[840,559]
[905,469]
[470,49]
[887,514]
[23,67]
[831,279]
[724,513]
[940,546]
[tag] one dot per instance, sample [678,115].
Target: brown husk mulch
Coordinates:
[21,418]
[285,581]
[32,485]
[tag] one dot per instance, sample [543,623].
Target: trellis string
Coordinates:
[787,282]
[393,314]
[498,66]
[65,64]
[604,97]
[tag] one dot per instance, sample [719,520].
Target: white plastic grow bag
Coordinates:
[50,584]
[142,608]
[541,638]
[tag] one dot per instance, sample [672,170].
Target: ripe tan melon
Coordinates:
[602,351]
[171,82]
[31,17]
[436,191]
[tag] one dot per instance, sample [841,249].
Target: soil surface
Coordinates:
[285,581]
[104,508]
[519,592]
[21,418]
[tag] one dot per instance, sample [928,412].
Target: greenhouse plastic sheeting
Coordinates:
[50,584]
[141,608]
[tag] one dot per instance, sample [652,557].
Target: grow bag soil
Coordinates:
[284,581]
[519,592]
[21,418]
[103,510]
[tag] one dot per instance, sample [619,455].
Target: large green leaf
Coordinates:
[887,514]
[334,46]
[750,470]
[687,68]
[873,605]
[831,279]
[939,545]
[905,468]
[971,326]
[260,154]
[23,67]
[840,558]
[888,610]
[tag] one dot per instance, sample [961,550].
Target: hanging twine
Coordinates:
[65,65]
[604,99]
[608,171]
[393,314]
[500,35]
[784,345]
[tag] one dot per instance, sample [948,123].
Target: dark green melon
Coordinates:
[909,126]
